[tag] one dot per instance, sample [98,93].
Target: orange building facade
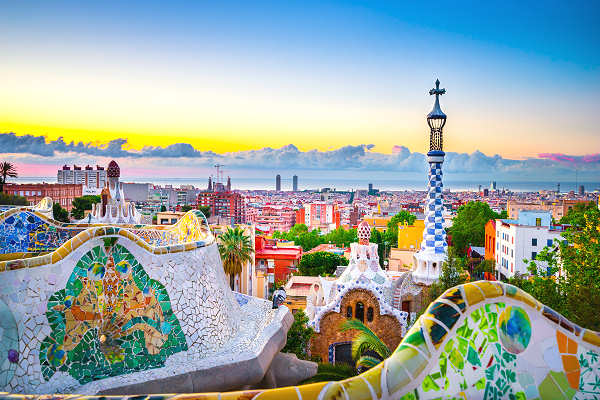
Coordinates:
[490,240]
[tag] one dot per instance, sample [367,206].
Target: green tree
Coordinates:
[298,336]
[60,214]
[7,170]
[300,235]
[320,263]
[571,283]
[468,227]
[9,199]
[401,217]
[205,210]
[163,208]
[186,208]
[453,273]
[236,250]
[81,204]
[368,349]
[576,215]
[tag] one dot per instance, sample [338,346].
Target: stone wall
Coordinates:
[385,327]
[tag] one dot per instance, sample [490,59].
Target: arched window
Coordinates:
[359,313]
[349,312]
[370,314]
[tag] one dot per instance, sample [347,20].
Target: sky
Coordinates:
[522,78]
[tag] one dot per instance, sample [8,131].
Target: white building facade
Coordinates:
[87,176]
[523,239]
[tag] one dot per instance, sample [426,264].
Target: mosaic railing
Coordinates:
[28,230]
[481,340]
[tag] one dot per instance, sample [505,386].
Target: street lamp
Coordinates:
[436,120]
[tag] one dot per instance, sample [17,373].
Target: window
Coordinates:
[538,222]
[534,241]
[359,313]
[349,312]
[533,255]
[370,314]
[511,253]
[549,242]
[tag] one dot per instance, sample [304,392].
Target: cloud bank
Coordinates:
[36,149]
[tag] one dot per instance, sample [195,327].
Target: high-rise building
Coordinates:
[493,186]
[223,204]
[295,183]
[581,190]
[278,183]
[434,249]
[88,176]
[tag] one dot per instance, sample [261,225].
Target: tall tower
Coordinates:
[295,183]
[434,249]
[228,184]
[278,183]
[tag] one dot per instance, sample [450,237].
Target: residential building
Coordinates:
[88,176]
[522,239]
[319,215]
[558,208]
[225,205]
[136,192]
[377,222]
[490,240]
[63,194]
[409,241]
[280,262]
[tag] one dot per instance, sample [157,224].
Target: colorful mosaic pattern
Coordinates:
[9,344]
[455,350]
[24,230]
[111,319]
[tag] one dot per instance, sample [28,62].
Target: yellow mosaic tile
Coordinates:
[591,337]
[472,293]
[312,390]
[490,289]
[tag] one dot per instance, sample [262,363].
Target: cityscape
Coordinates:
[163,235]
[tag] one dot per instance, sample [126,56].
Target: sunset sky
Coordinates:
[521,78]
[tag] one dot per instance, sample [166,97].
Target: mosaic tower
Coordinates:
[434,249]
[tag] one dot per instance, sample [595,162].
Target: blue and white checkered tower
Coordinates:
[434,249]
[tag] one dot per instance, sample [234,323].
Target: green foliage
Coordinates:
[9,199]
[329,372]
[7,170]
[320,263]
[485,266]
[60,214]
[468,227]
[300,235]
[235,249]
[571,284]
[298,336]
[205,210]
[576,215]
[186,208]
[453,273]
[365,341]
[401,217]
[83,203]
[163,208]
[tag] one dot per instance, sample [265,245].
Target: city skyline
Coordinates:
[521,78]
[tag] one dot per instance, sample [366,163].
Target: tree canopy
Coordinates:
[320,263]
[83,203]
[571,284]
[7,170]
[205,210]
[576,215]
[236,249]
[298,336]
[468,227]
[60,214]
[9,199]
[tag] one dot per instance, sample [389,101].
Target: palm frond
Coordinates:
[235,249]
[365,340]
[367,362]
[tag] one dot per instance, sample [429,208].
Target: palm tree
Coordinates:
[365,342]
[6,170]
[235,249]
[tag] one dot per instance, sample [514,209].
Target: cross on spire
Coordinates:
[437,91]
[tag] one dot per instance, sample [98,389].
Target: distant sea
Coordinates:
[347,183]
